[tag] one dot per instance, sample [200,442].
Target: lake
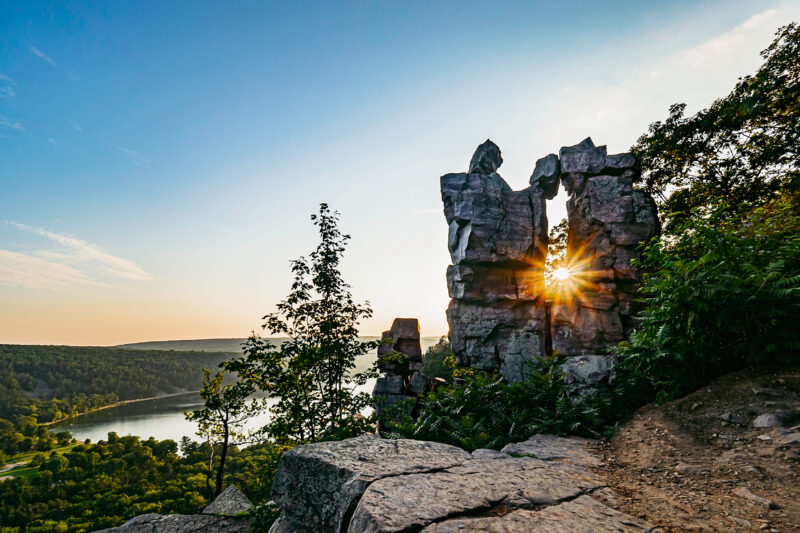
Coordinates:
[162,418]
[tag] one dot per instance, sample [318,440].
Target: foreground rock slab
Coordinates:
[551,448]
[178,523]
[369,484]
[582,515]
[317,484]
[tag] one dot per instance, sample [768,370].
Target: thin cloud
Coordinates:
[41,55]
[11,124]
[135,156]
[26,270]
[7,89]
[723,49]
[694,75]
[90,255]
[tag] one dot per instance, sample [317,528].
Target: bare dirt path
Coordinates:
[12,466]
[699,464]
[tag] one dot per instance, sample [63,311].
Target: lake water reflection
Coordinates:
[161,418]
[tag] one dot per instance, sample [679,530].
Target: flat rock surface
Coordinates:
[551,448]
[366,485]
[177,523]
[393,504]
[582,515]
[316,484]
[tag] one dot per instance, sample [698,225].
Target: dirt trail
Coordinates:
[12,466]
[699,464]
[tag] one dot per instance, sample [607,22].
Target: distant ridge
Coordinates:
[233,345]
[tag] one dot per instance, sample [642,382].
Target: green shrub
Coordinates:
[721,294]
[481,411]
[433,363]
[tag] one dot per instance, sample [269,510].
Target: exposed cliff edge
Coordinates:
[369,484]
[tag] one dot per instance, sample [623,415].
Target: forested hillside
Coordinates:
[51,382]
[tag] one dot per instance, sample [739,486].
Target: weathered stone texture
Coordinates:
[178,523]
[372,485]
[608,220]
[317,484]
[581,515]
[229,503]
[400,358]
[498,243]
[497,313]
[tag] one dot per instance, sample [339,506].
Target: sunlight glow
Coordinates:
[561,274]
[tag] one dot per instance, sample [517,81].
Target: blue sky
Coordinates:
[159,160]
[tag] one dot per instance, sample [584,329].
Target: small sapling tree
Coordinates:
[311,377]
[220,421]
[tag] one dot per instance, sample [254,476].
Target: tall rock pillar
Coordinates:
[498,242]
[608,219]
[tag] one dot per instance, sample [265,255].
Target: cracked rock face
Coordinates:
[498,243]
[608,220]
[178,523]
[581,515]
[495,233]
[317,485]
[373,485]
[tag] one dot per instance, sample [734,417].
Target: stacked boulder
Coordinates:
[499,319]
[608,220]
[400,358]
[498,242]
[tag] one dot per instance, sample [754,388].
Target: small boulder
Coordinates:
[584,158]
[230,502]
[418,384]
[546,175]
[779,418]
[733,418]
[617,164]
[573,450]
[486,159]
[744,492]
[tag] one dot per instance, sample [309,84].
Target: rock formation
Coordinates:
[499,319]
[496,238]
[369,484]
[400,358]
[608,219]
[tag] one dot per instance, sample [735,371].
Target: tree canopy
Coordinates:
[743,149]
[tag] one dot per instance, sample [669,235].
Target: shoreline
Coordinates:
[117,404]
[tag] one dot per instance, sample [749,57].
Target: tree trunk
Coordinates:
[222,455]
[210,467]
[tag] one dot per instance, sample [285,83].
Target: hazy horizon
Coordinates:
[160,162]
